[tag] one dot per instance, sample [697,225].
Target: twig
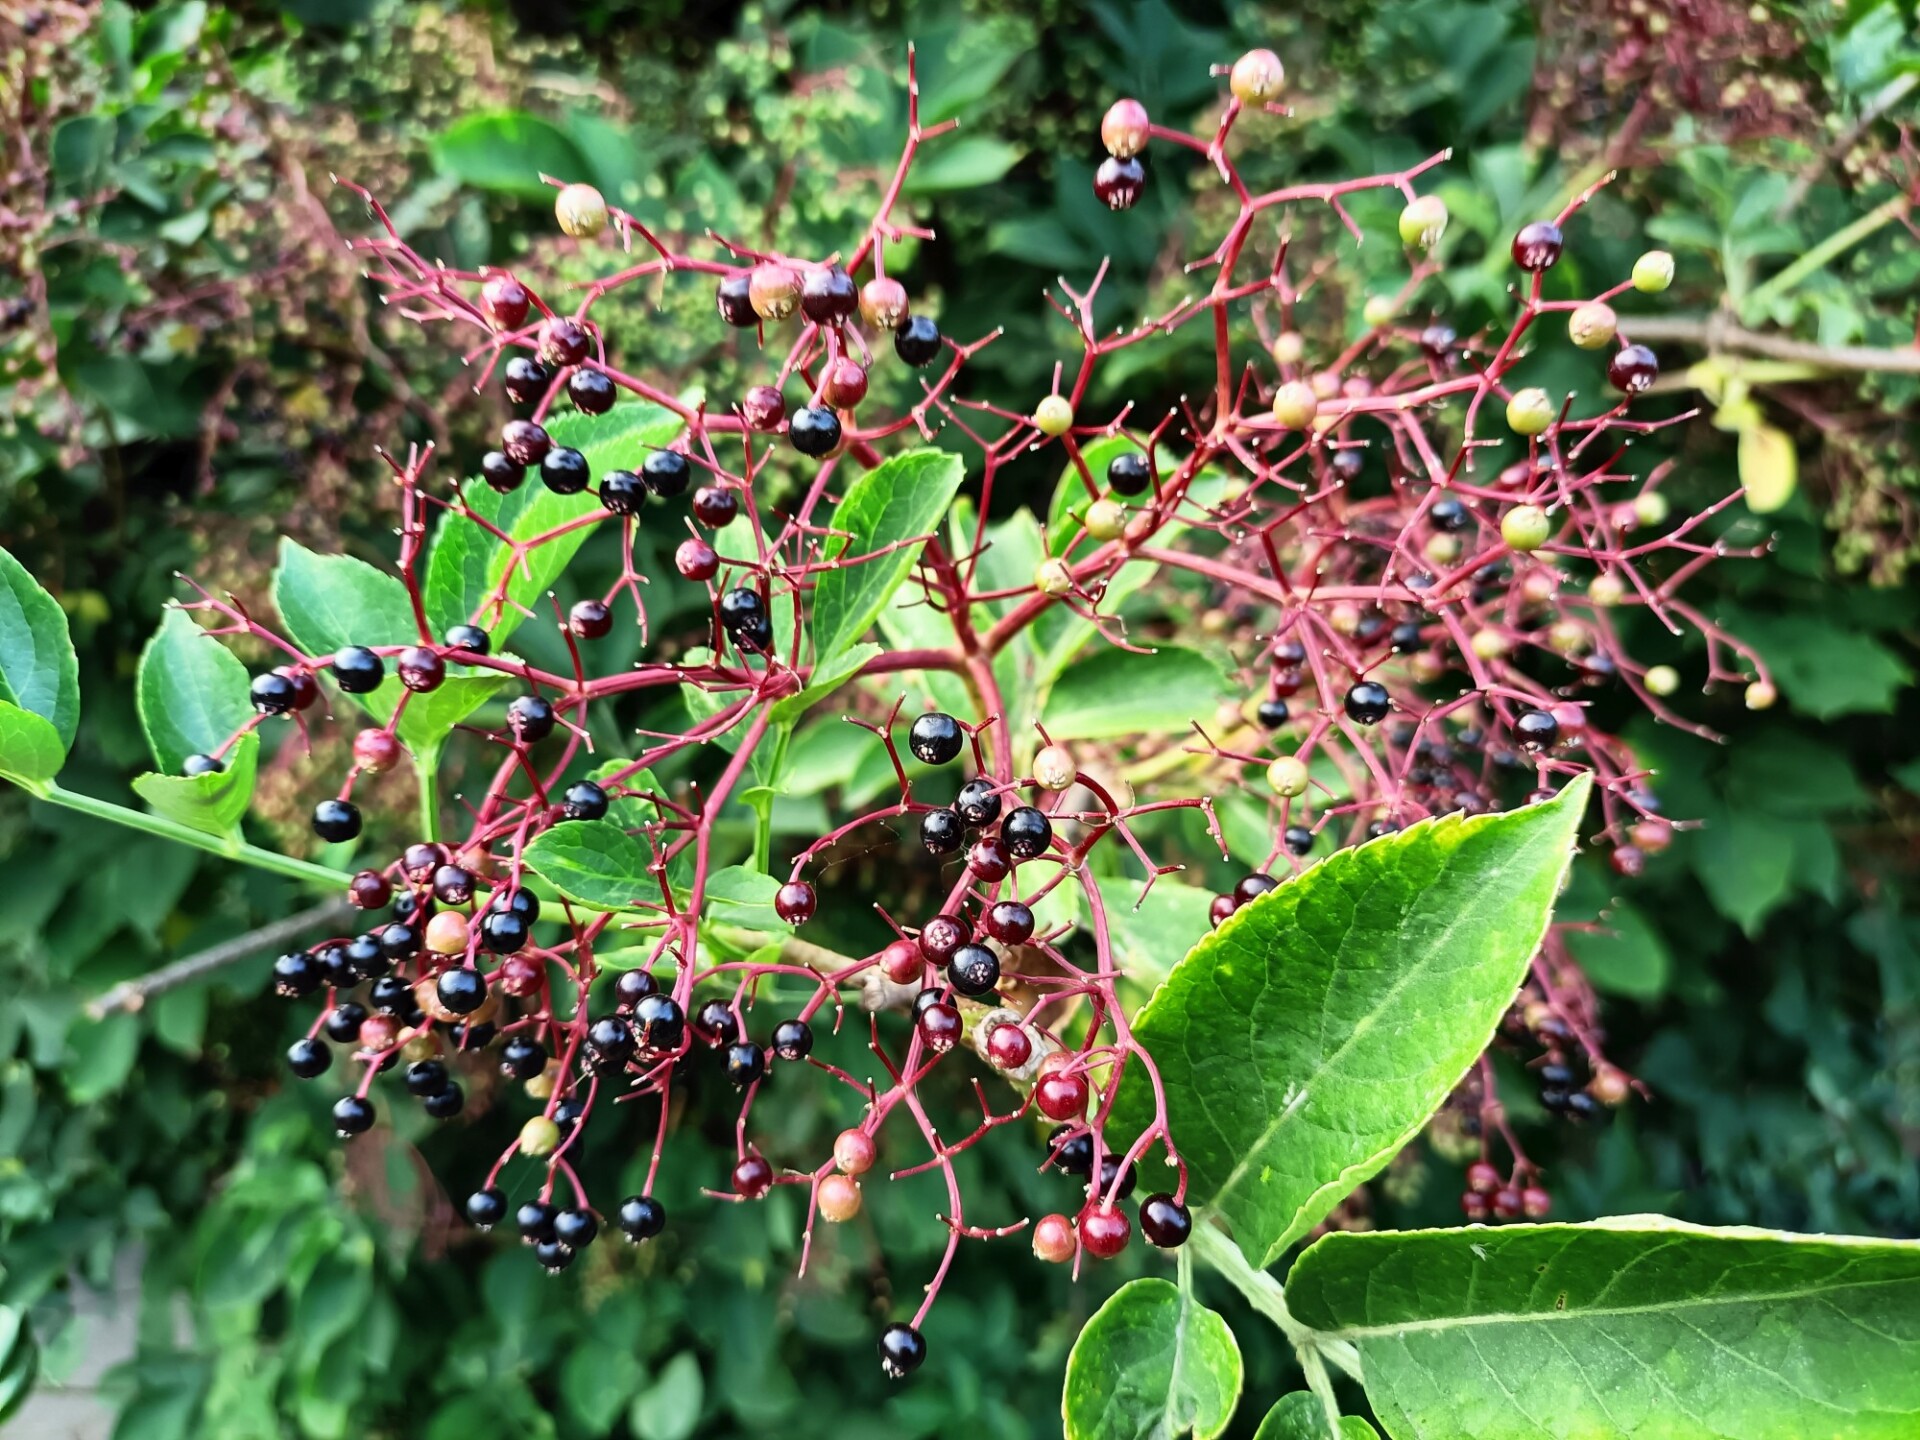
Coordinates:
[1718,332]
[130,995]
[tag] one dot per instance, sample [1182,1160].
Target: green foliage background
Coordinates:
[198,371]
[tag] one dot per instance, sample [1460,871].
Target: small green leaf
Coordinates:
[19,1360]
[30,748]
[742,896]
[593,863]
[1635,1326]
[962,164]
[1305,1041]
[1152,1364]
[1769,468]
[1301,1416]
[191,691]
[1123,692]
[212,803]
[1826,667]
[894,502]
[825,679]
[1624,954]
[669,1409]
[38,669]
[508,150]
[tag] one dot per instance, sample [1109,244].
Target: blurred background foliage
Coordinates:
[190,366]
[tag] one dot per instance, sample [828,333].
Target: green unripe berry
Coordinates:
[1052,577]
[1530,411]
[1378,311]
[539,1136]
[1591,326]
[1423,222]
[1489,644]
[1607,590]
[1525,528]
[1653,272]
[1761,695]
[581,211]
[1053,415]
[1105,520]
[1662,680]
[1651,509]
[1287,777]
[1295,405]
[1288,347]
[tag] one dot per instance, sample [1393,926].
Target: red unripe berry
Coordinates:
[378,1031]
[1538,245]
[376,751]
[1506,1203]
[853,1152]
[1124,128]
[420,669]
[1473,1205]
[1105,1230]
[940,1027]
[1009,1046]
[1628,861]
[839,1198]
[883,303]
[845,383]
[1117,183]
[306,689]
[1535,1202]
[1482,1178]
[520,975]
[989,860]
[369,890]
[1221,908]
[562,342]
[794,902]
[763,408]
[752,1177]
[696,560]
[902,962]
[1010,922]
[827,295]
[1061,1097]
[1633,370]
[1053,1239]
[940,937]
[715,506]
[505,301]
[590,619]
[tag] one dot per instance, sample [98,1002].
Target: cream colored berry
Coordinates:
[1053,415]
[1124,129]
[1052,577]
[1257,77]
[1607,590]
[1662,680]
[1651,509]
[1288,347]
[1287,777]
[581,211]
[1525,528]
[1295,405]
[1423,222]
[539,1136]
[1378,311]
[1105,520]
[1761,695]
[1530,411]
[1591,326]
[447,933]
[1054,768]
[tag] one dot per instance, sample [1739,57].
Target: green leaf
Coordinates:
[825,679]
[1301,1416]
[508,150]
[191,691]
[468,567]
[330,601]
[30,748]
[1148,941]
[38,669]
[212,803]
[1636,1326]
[669,1409]
[1625,955]
[593,863]
[1123,692]
[740,895]
[896,501]
[1305,1041]
[962,165]
[1745,864]
[1152,1364]
[19,1359]
[1823,667]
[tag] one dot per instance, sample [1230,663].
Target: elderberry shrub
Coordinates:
[1406,650]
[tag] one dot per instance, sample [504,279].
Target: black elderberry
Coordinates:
[564,471]
[470,638]
[1165,1222]
[1298,839]
[296,974]
[308,1058]
[503,932]
[828,295]
[368,960]
[642,1217]
[530,719]
[534,1220]
[659,1024]
[974,970]
[1128,473]
[201,765]
[575,1228]
[486,1208]
[743,614]
[445,1104]
[591,391]
[902,1351]
[746,1063]
[336,821]
[584,800]
[400,940]
[942,832]
[935,738]
[1406,636]
[814,430]
[523,903]
[1537,730]
[610,1042]
[426,1077]
[1072,1153]
[272,694]
[552,1255]
[917,341]
[1109,1169]
[666,473]
[344,1020]
[977,802]
[1026,832]
[793,1039]
[1448,514]
[630,987]
[1368,703]
[1271,714]
[453,885]
[390,994]
[623,492]
[716,1024]
[731,299]
[357,670]
[523,1058]
[352,1115]
[501,473]
[525,379]
[461,990]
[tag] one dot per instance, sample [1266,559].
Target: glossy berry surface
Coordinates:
[752,1177]
[696,560]
[942,832]
[623,492]
[917,341]
[591,391]
[357,670]
[814,431]
[902,1351]
[584,800]
[940,937]
[935,738]
[974,970]
[642,1218]
[1105,1230]
[1129,474]
[309,1058]
[1633,369]
[470,638]
[1165,1222]
[525,379]
[1026,832]
[336,821]
[352,1115]
[1538,245]
[793,1039]
[1010,922]
[666,473]
[564,471]
[1118,182]
[530,719]
[1367,703]
[978,803]
[794,902]
[743,615]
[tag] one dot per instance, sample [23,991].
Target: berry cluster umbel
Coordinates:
[1392,641]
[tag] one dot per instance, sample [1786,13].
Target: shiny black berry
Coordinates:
[610,1042]
[1536,730]
[630,987]
[486,1208]
[642,1217]
[935,738]
[504,933]
[296,974]
[743,614]
[828,295]
[1298,839]
[552,1255]
[336,820]
[715,1023]
[575,1228]
[584,800]
[1072,1155]
[426,1077]
[659,1024]
[534,1220]
[201,765]
[308,1058]
[522,1058]
[368,960]
[461,990]
[1271,714]
[591,391]
[902,1351]
[564,471]
[666,473]
[917,341]
[563,341]
[501,473]
[1119,180]
[1368,703]
[942,832]
[526,379]
[344,1020]
[623,492]
[1129,474]
[746,1063]
[1449,514]
[977,802]
[357,670]
[352,1115]
[445,1104]
[470,638]
[272,693]
[525,442]
[1165,1222]
[814,430]
[732,300]
[793,1039]
[530,719]
[974,970]
[1026,832]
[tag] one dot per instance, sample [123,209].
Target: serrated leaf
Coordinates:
[30,748]
[1636,1326]
[1825,667]
[898,500]
[38,669]
[823,681]
[1769,468]
[213,803]
[1124,692]
[1301,1416]
[1305,1041]
[467,567]
[191,692]
[594,863]
[1152,1364]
